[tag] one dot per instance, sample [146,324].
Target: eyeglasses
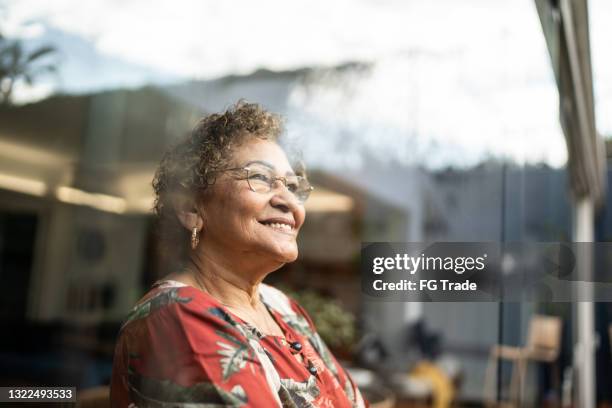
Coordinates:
[263,180]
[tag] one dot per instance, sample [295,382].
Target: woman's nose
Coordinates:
[283,198]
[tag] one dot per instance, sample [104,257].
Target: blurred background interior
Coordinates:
[477,120]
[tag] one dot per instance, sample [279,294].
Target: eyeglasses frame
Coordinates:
[274,178]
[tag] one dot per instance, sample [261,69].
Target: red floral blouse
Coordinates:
[179,347]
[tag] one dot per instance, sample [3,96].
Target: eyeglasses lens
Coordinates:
[264,180]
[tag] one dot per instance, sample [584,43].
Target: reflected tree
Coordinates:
[19,64]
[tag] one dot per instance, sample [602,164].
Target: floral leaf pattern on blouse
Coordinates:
[348,389]
[221,314]
[157,301]
[301,326]
[300,394]
[232,324]
[149,392]
[235,355]
[180,348]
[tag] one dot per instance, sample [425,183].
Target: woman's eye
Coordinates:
[260,177]
[292,187]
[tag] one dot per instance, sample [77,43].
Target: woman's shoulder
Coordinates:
[175,299]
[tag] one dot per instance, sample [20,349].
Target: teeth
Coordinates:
[284,227]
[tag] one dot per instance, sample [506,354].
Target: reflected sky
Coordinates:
[600,15]
[471,76]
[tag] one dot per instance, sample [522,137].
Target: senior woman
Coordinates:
[211,334]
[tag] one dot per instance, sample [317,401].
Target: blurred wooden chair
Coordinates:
[97,397]
[543,345]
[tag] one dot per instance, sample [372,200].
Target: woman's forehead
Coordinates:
[263,153]
[264,165]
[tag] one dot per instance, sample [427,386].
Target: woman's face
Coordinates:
[241,222]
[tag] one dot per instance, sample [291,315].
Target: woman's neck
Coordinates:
[238,292]
[232,284]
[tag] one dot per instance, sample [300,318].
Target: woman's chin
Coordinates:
[286,255]
[291,258]
[277,251]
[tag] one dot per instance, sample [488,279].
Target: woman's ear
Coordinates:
[187,211]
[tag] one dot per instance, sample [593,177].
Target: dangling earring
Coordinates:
[195,239]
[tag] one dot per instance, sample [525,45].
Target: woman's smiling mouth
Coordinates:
[279,224]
